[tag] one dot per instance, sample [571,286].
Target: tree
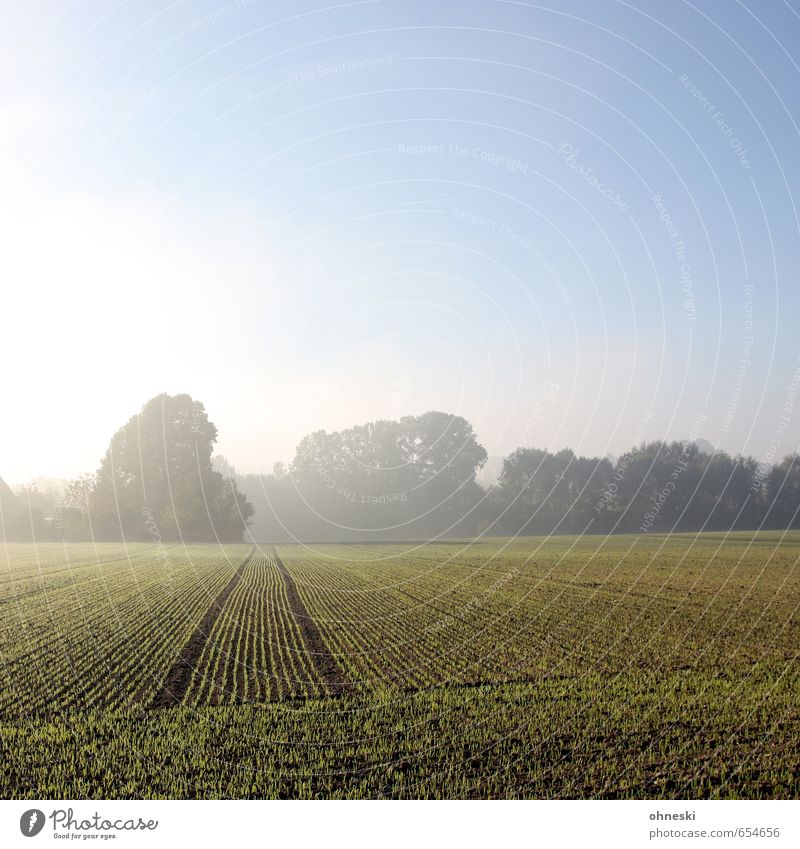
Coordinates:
[223,466]
[540,492]
[399,478]
[157,474]
[783,494]
[444,457]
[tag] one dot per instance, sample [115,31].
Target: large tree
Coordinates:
[156,478]
[413,476]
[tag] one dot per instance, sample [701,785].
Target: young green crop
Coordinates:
[559,667]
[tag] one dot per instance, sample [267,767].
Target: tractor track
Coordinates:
[179,677]
[327,668]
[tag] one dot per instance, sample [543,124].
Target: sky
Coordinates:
[574,224]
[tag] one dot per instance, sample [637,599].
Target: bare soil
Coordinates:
[175,685]
[327,668]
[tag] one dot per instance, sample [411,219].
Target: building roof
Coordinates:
[8,501]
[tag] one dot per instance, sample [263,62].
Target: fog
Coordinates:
[565,248]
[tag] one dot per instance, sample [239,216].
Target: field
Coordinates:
[540,668]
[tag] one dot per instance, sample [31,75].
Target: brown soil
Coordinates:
[179,677]
[326,665]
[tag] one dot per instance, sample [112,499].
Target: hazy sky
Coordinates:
[574,224]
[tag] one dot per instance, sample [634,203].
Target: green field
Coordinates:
[566,667]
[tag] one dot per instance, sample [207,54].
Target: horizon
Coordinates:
[50,481]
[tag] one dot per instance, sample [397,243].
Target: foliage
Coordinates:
[156,478]
[409,478]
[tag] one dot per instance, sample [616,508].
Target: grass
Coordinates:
[622,667]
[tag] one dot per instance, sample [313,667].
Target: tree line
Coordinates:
[415,478]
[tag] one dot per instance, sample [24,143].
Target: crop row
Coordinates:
[103,634]
[255,651]
[640,736]
[422,618]
[77,633]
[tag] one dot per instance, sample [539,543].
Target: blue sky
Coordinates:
[574,225]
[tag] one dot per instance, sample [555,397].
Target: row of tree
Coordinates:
[409,479]
[417,478]
[655,487]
